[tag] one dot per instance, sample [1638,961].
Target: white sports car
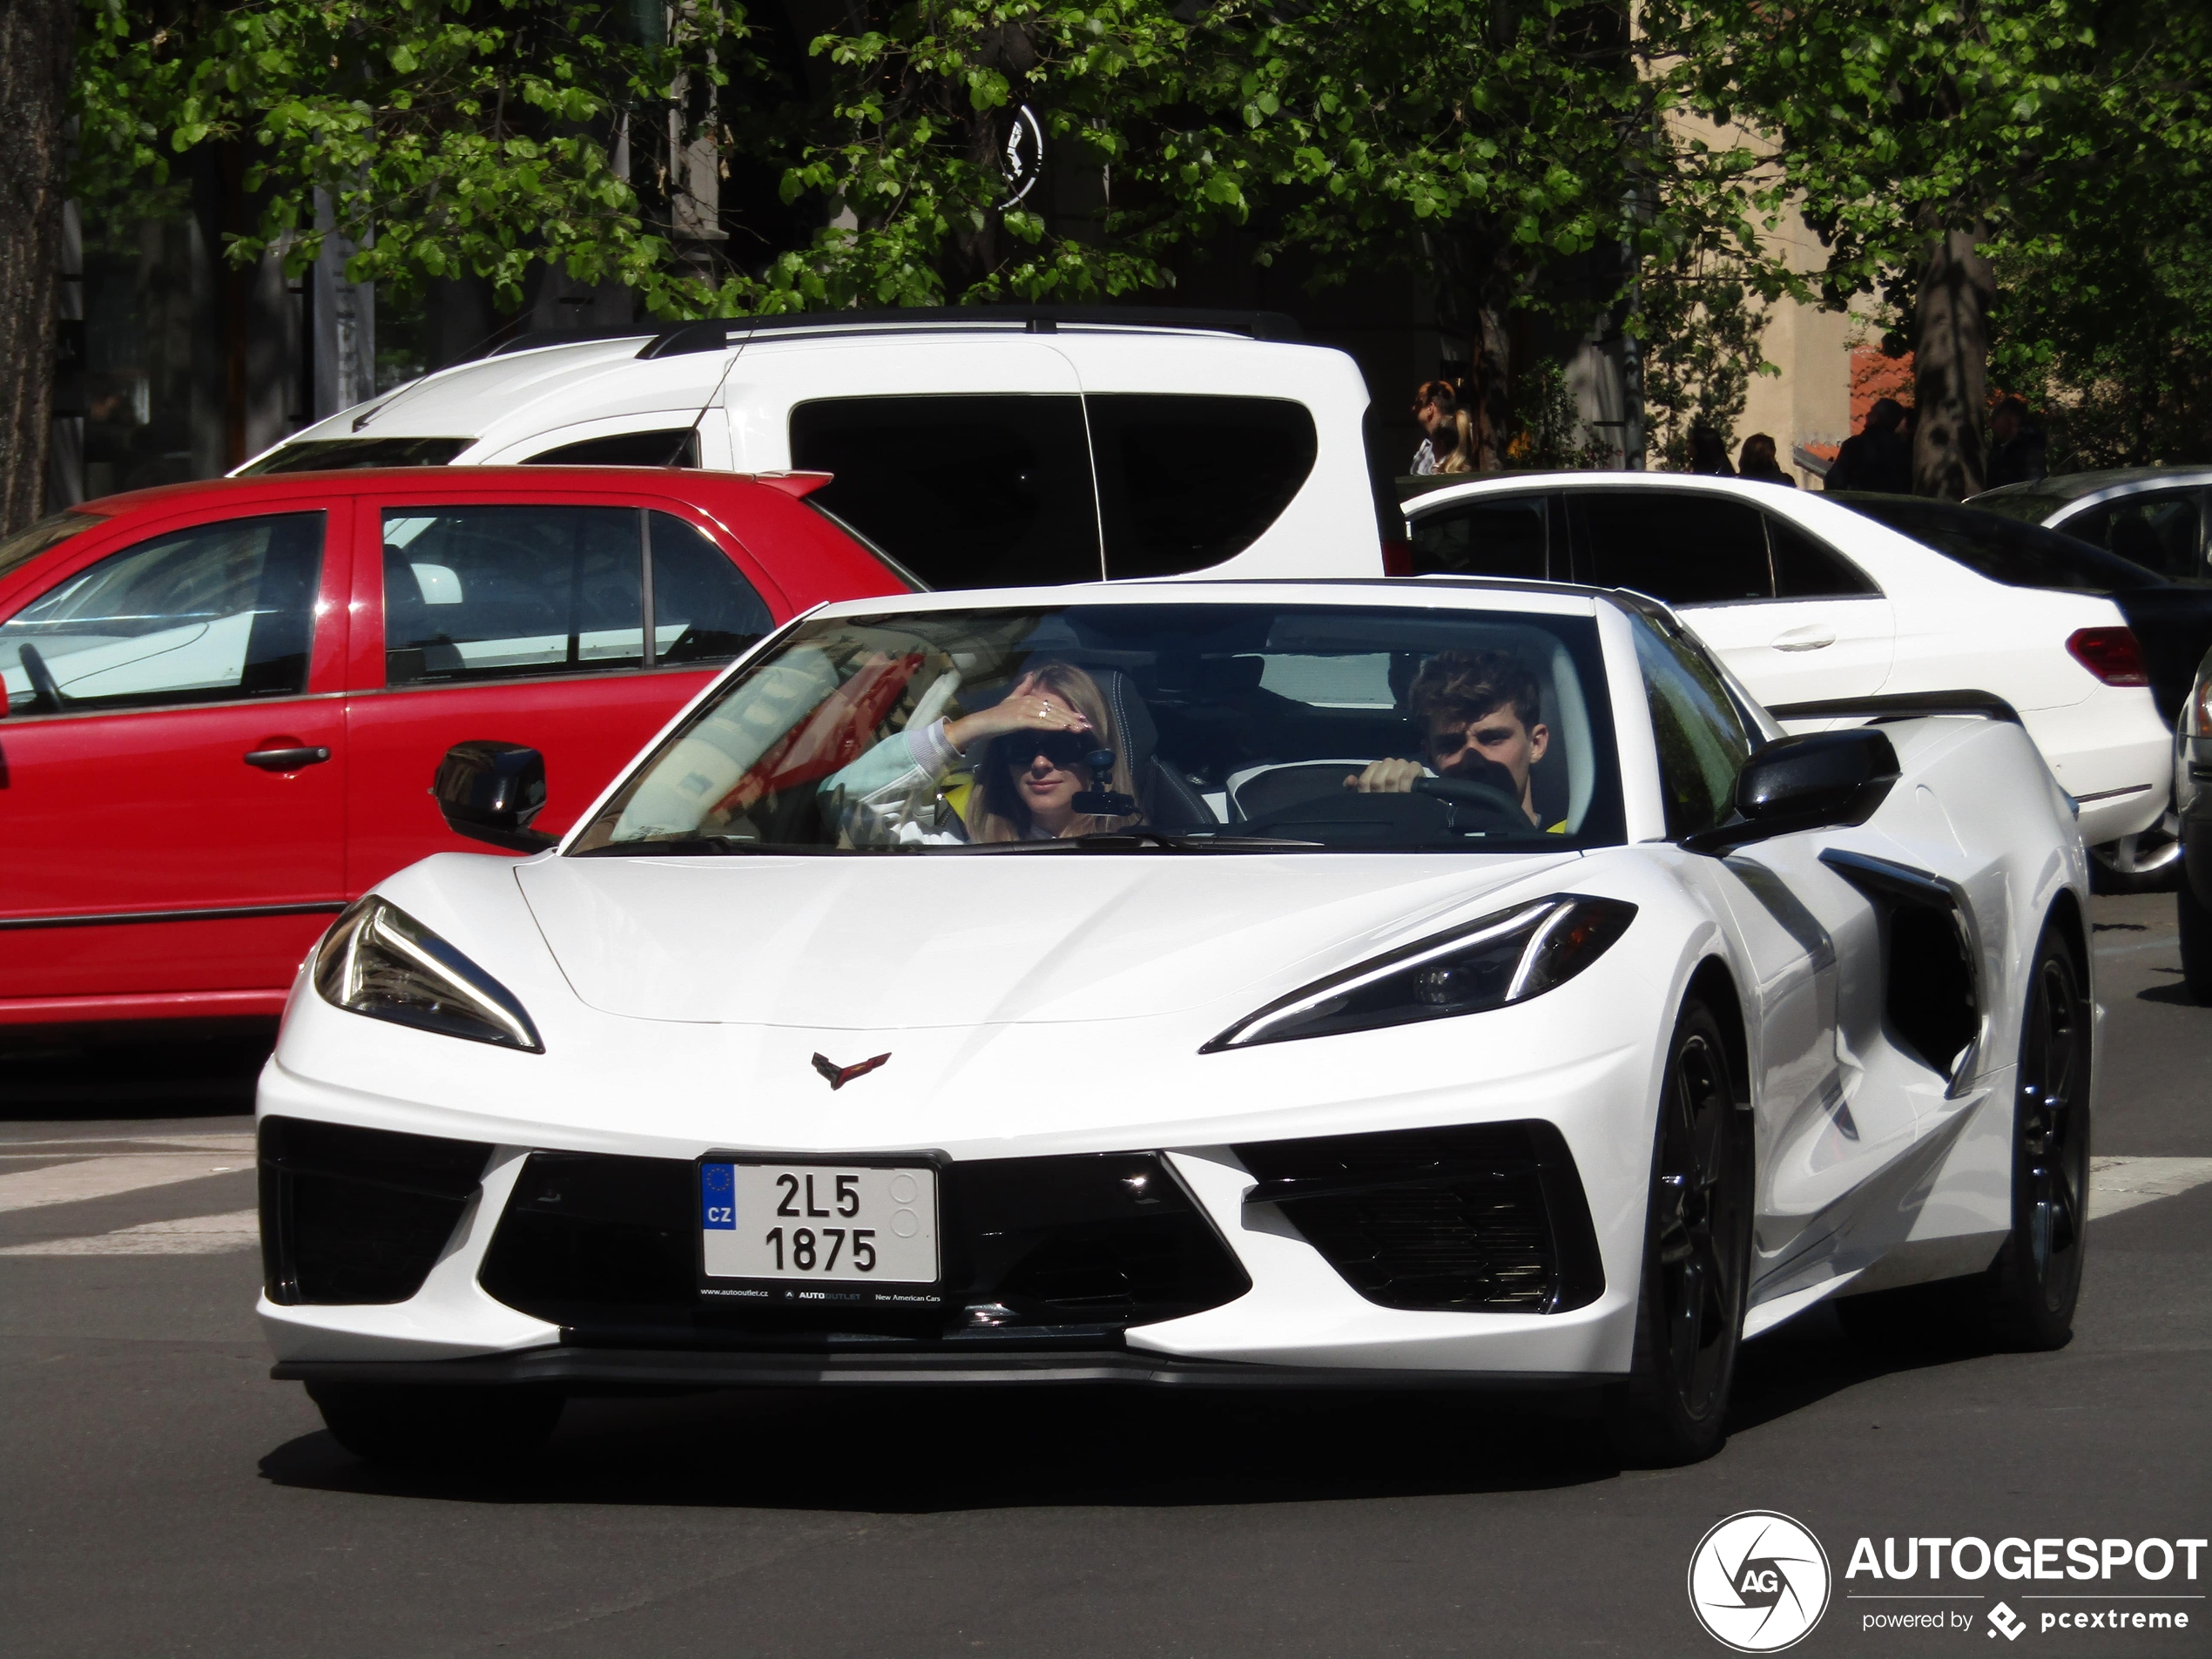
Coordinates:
[1304,983]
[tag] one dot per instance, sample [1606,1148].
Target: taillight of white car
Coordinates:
[2111,654]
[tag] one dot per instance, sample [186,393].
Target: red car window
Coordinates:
[212,613]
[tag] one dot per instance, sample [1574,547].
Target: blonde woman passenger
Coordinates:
[1027,756]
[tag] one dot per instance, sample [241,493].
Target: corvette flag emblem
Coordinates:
[837,1077]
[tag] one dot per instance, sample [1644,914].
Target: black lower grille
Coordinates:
[1487,1218]
[1033,1248]
[358,1215]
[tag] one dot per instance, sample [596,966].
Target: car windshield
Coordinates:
[1172,727]
[2003,550]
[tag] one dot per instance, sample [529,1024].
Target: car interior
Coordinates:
[1234,740]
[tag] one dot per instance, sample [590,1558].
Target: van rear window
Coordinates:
[964,491]
[1185,482]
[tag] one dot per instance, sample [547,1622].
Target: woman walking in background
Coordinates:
[1756,463]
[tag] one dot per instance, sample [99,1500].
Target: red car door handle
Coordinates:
[286,759]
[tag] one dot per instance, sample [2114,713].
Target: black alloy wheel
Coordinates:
[2036,1279]
[1697,1257]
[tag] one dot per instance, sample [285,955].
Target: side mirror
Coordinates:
[1821,781]
[490,792]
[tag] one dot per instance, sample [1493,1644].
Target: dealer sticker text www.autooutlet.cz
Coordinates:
[1921,1585]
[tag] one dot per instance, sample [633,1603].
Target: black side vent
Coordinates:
[1932,962]
[358,1215]
[1488,1218]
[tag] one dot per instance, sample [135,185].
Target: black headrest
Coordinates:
[1140,738]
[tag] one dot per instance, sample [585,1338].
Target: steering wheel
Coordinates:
[41,679]
[1461,792]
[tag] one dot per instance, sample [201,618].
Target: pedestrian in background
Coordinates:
[2016,449]
[1448,443]
[1757,462]
[1880,457]
[1708,454]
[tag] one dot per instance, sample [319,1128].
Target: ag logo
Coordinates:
[1758,1581]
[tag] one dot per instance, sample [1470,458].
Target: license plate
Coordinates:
[834,1225]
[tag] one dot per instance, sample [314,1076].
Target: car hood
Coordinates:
[880,943]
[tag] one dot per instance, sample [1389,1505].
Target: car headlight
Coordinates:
[378,961]
[1505,958]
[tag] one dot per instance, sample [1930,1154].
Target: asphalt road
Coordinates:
[158,1495]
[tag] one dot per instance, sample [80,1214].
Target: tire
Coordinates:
[2149,862]
[2195,921]
[2036,1279]
[1673,1409]
[437,1426]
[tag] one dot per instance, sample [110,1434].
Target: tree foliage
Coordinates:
[1521,157]
[448,136]
[2045,133]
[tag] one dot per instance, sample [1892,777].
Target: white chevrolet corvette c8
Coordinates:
[1451,983]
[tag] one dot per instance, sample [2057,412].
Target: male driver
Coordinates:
[1477,711]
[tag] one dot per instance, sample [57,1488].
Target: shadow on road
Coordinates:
[2175,995]
[941,1450]
[916,1453]
[54,1076]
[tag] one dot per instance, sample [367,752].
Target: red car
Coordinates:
[224,701]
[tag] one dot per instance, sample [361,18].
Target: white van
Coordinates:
[976,446]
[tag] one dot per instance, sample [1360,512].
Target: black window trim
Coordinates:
[1560,561]
[1585,559]
[648,642]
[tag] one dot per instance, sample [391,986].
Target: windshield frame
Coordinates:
[1573,618]
[44,534]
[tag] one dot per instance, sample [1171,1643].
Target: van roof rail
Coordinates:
[718,332]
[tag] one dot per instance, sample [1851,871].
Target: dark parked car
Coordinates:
[2171,620]
[2159,517]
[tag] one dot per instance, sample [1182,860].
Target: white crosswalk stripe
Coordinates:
[2116,1184]
[110,1175]
[2121,1184]
[194,1236]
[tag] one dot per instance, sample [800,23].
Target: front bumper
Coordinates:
[1453,1253]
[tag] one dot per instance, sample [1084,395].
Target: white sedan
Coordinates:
[1444,983]
[1808,602]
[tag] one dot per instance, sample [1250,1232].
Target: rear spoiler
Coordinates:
[1901,705]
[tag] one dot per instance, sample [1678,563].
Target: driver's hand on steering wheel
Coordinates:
[1387,778]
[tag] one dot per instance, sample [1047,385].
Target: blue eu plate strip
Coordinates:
[717,1197]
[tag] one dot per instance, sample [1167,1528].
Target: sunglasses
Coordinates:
[1066,749]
